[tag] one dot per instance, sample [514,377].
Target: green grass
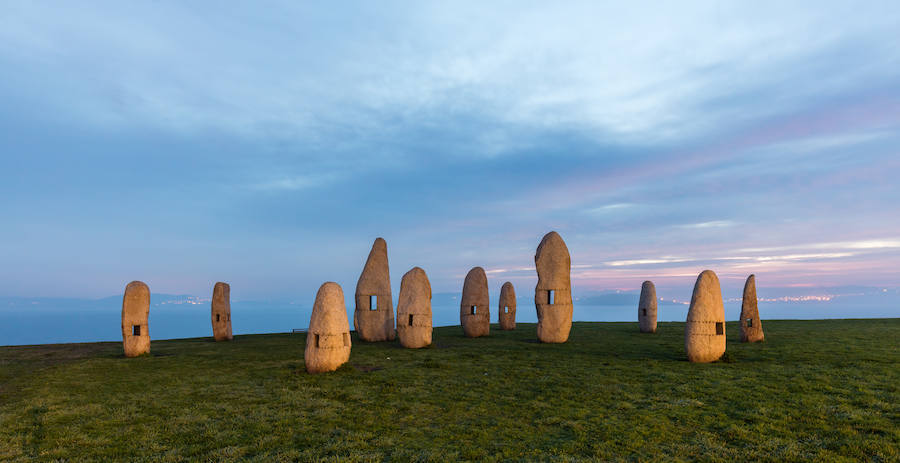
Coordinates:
[815,390]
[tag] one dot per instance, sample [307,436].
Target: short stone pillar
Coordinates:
[751,326]
[373,317]
[136,319]
[328,337]
[414,310]
[553,293]
[647,308]
[704,333]
[474,306]
[220,309]
[507,307]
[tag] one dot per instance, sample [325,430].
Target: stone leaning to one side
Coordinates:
[328,337]
[375,280]
[474,306]
[507,301]
[136,319]
[647,308]
[414,310]
[553,265]
[704,333]
[751,326]
[220,309]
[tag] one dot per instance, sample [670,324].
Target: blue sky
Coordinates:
[268,144]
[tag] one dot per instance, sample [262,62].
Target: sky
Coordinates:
[267,144]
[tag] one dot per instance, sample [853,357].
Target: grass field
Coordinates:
[815,390]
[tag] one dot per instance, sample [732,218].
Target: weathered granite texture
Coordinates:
[507,307]
[474,306]
[751,326]
[414,310]
[553,293]
[704,333]
[136,319]
[375,284]
[328,337]
[221,312]
[647,308]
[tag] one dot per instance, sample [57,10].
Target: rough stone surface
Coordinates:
[221,312]
[136,319]
[647,308]
[507,302]
[414,310]
[475,299]
[328,337]
[375,280]
[751,326]
[553,265]
[704,333]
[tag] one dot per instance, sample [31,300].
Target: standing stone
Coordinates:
[221,312]
[751,326]
[414,310]
[507,307]
[374,314]
[328,336]
[136,319]
[553,293]
[704,333]
[647,308]
[474,306]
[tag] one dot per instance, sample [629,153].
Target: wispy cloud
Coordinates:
[710,224]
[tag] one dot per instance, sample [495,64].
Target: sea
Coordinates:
[26,321]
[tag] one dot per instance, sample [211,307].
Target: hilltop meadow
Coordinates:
[814,390]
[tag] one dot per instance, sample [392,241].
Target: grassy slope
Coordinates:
[814,390]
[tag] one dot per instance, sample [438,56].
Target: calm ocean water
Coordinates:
[43,325]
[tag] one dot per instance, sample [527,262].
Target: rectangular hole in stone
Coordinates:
[644,312]
[720,328]
[217,317]
[373,302]
[550,297]
[749,322]
[135,330]
[410,319]
[346,339]
[317,341]
[472,310]
[506,309]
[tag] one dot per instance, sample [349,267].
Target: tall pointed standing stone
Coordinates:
[220,309]
[704,333]
[751,326]
[647,308]
[136,319]
[414,310]
[507,307]
[374,314]
[328,337]
[474,306]
[553,293]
